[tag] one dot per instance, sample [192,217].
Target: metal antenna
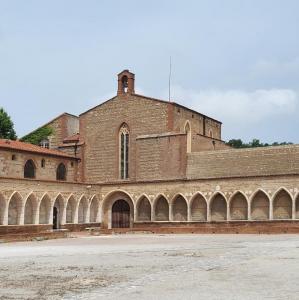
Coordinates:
[169,79]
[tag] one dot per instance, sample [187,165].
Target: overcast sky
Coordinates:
[235,60]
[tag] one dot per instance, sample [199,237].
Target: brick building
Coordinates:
[135,161]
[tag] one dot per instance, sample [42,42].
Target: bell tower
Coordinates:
[126,83]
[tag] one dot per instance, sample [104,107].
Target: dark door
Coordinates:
[120,214]
[55,218]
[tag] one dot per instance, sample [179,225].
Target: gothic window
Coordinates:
[29,169]
[188,133]
[44,143]
[61,172]
[124,151]
[211,133]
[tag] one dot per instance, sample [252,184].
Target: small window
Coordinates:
[13,157]
[43,163]
[72,164]
[45,143]
[29,169]
[61,172]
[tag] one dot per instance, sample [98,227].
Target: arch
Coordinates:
[83,210]
[15,209]
[45,210]
[94,209]
[143,209]
[282,205]
[187,129]
[61,172]
[179,208]
[58,208]
[30,209]
[108,202]
[218,208]
[260,206]
[238,206]
[71,209]
[29,169]
[161,209]
[3,204]
[198,206]
[124,150]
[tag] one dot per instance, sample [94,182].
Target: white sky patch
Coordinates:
[237,106]
[267,67]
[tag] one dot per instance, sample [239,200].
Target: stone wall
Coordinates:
[161,157]
[244,162]
[15,167]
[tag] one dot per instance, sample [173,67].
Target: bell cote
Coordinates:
[126,83]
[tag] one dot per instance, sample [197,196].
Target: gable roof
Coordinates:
[26,147]
[158,100]
[46,124]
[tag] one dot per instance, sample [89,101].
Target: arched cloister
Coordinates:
[238,207]
[260,206]
[45,210]
[94,210]
[161,209]
[71,210]
[58,211]
[2,209]
[198,208]
[117,210]
[83,210]
[179,209]
[30,210]
[218,208]
[282,205]
[144,209]
[15,209]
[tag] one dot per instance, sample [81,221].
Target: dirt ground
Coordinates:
[152,267]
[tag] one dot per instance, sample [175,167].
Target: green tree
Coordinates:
[6,126]
[238,143]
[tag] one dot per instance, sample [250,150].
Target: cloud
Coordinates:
[266,67]
[238,106]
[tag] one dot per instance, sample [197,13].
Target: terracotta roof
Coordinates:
[72,139]
[20,146]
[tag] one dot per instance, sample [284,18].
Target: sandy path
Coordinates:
[152,267]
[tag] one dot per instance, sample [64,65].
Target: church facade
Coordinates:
[145,164]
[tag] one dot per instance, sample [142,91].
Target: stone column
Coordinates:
[170,212]
[5,214]
[152,213]
[271,210]
[294,209]
[228,218]
[22,213]
[209,218]
[189,219]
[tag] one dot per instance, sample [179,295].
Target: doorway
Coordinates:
[120,214]
[55,218]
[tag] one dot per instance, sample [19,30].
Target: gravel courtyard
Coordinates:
[152,267]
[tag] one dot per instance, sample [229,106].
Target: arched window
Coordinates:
[124,81]
[124,151]
[211,133]
[61,172]
[188,133]
[43,163]
[29,169]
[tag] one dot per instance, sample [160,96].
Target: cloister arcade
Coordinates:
[58,210]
